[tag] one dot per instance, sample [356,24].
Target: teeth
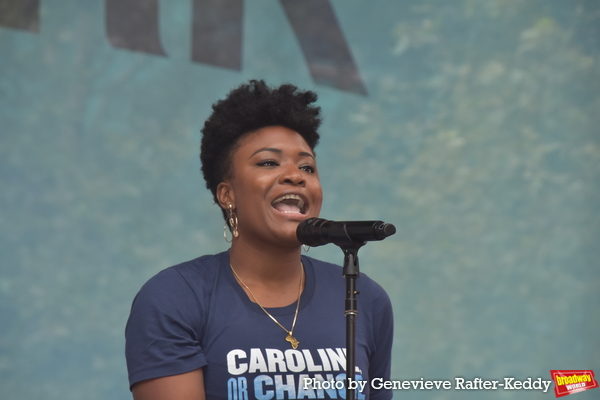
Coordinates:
[292,197]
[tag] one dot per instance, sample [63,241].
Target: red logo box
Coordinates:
[571,381]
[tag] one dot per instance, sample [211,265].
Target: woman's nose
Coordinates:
[292,175]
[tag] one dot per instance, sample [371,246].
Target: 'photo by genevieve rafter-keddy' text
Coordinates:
[458,383]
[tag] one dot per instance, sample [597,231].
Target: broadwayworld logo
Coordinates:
[572,381]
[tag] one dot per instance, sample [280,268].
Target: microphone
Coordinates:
[317,231]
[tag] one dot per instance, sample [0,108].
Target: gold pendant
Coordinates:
[292,340]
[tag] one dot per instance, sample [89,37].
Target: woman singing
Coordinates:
[259,321]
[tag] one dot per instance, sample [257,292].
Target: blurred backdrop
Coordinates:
[471,125]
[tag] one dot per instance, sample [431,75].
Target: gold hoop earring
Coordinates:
[225,233]
[233,222]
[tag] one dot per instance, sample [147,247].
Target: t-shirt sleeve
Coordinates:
[381,360]
[162,336]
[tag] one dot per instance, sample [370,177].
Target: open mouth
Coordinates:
[290,204]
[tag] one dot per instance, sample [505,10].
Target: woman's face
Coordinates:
[274,185]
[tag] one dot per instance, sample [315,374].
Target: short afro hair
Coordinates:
[246,109]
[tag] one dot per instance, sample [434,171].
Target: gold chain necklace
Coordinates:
[290,338]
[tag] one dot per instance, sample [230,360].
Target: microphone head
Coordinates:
[317,232]
[308,232]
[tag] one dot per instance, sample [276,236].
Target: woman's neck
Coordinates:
[267,264]
[273,275]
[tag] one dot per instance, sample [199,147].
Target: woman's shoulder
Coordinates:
[189,276]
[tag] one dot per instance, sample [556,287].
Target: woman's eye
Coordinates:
[308,168]
[267,163]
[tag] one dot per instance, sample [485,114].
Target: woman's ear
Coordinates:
[225,195]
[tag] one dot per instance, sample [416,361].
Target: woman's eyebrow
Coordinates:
[305,154]
[274,150]
[266,149]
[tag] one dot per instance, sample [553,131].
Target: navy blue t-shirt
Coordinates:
[195,315]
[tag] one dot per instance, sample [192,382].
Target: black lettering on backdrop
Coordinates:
[133,25]
[322,41]
[217,33]
[20,14]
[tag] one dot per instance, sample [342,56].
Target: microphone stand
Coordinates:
[350,271]
[317,232]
